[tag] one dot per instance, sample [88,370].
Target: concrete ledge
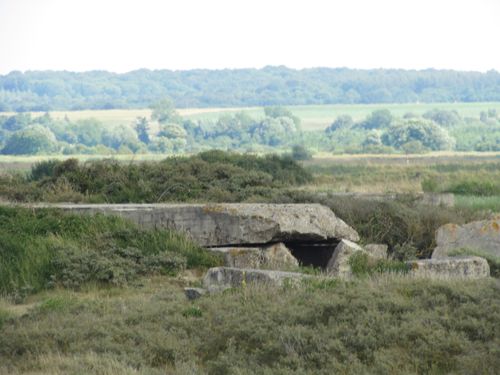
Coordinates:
[229,224]
[446,268]
[221,278]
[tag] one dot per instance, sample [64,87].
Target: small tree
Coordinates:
[379,119]
[277,111]
[341,122]
[34,139]
[142,129]
[429,134]
[164,111]
[301,153]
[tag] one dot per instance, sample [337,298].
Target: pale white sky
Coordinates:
[123,35]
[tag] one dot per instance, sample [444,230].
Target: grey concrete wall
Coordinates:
[230,224]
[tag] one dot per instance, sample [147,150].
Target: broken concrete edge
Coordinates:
[482,235]
[218,279]
[339,265]
[461,267]
[271,256]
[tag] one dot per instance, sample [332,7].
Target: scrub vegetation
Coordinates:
[383,325]
[98,295]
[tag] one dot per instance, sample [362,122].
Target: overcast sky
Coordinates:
[123,35]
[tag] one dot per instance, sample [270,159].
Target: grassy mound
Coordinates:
[42,248]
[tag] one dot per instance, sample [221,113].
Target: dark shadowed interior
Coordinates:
[315,254]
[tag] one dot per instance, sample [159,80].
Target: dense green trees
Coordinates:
[34,139]
[270,86]
[167,132]
[417,135]
[379,119]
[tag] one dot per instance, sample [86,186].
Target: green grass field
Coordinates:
[313,117]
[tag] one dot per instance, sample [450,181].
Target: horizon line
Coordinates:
[250,68]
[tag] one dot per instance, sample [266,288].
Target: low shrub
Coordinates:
[208,176]
[44,247]
[482,188]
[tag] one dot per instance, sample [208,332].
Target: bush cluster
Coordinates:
[208,176]
[43,247]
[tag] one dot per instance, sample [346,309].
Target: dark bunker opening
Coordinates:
[315,254]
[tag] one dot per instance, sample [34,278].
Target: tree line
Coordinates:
[63,90]
[166,132]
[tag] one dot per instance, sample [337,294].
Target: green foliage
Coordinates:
[269,86]
[404,251]
[75,267]
[276,112]
[378,119]
[142,129]
[60,303]
[4,317]
[192,312]
[164,112]
[341,122]
[42,247]
[208,176]
[475,203]
[301,153]
[443,117]
[363,265]
[120,136]
[33,139]
[480,186]
[43,169]
[429,135]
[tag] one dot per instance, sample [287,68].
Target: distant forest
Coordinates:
[62,90]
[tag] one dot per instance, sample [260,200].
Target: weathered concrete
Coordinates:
[377,251]
[194,293]
[338,265]
[445,268]
[230,224]
[483,236]
[276,256]
[221,278]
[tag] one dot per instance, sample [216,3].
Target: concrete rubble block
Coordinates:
[276,256]
[482,236]
[221,278]
[445,268]
[377,251]
[230,224]
[338,265]
[194,293]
